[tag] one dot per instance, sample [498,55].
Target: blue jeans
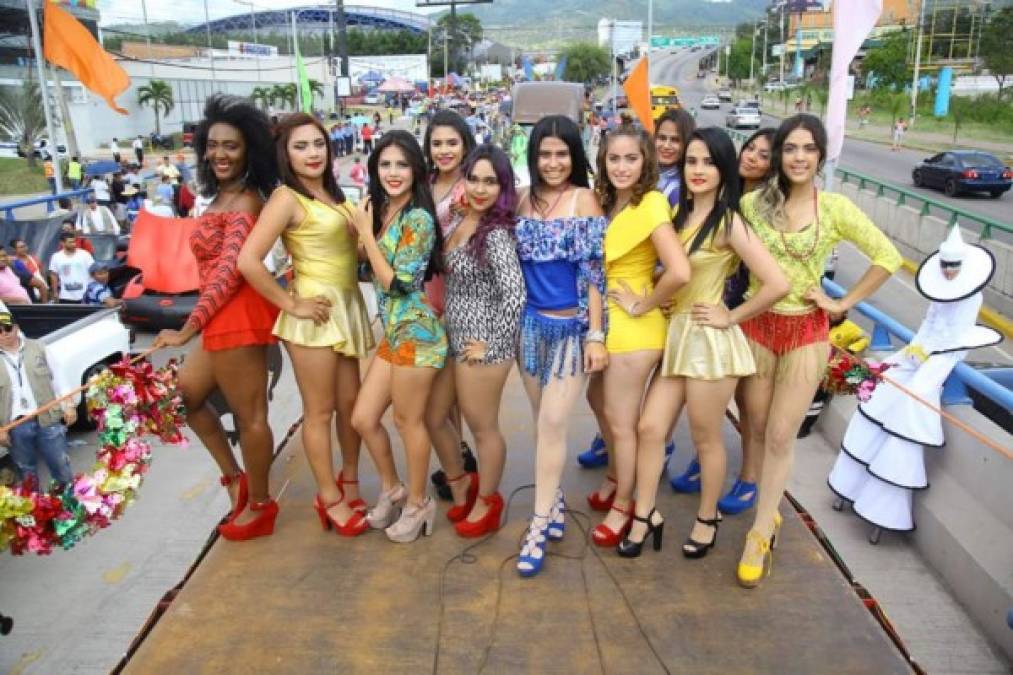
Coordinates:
[29,440]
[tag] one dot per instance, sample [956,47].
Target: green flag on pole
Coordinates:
[305,92]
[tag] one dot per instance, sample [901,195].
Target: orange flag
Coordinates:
[638,91]
[67,43]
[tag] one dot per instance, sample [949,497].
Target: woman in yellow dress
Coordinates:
[323,321]
[705,351]
[639,234]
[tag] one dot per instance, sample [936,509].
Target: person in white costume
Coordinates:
[882,462]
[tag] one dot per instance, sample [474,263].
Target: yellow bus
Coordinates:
[663,98]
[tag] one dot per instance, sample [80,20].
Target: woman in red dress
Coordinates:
[236,168]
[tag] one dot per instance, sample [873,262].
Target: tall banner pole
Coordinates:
[33,21]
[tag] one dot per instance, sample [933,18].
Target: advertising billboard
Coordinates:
[807,5]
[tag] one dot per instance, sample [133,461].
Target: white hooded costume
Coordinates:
[882,461]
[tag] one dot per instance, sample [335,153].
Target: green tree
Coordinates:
[585,61]
[737,67]
[316,87]
[22,118]
[462,33]
[995,47]
[888,61]
[158,95]
[262,96]
[285,94]
[959,109]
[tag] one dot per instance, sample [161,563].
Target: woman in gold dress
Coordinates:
[323,321]
[705,351]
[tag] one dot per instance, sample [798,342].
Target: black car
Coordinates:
[964,171]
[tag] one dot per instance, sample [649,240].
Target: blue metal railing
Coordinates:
[962,377]
[48,200]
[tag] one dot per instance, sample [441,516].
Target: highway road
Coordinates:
[872,159]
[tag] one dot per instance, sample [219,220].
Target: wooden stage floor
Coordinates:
[306,601]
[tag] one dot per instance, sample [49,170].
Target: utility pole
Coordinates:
[211,49]
[918,60]
[54,149]
[147,37]
[650,33]
[339,5]
[752,50]
[763,68]
[253,23]
[781,24]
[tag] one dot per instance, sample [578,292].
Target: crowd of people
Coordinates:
[683,276]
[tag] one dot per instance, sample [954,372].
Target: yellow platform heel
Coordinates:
[778,521]
[756,561]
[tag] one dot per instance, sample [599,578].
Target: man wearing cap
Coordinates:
[96,218]
[68,270]
[26,383]
[882,461]
[98,291]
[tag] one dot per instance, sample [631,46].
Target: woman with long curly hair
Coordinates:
[485,296]
[799,225]
[705,350]
[236,170]
[638,237]
[402,243]
[323,321]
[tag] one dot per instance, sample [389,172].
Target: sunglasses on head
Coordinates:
[947,264]
[4,328]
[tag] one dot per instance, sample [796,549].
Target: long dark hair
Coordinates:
[260,173]
[684,123]
[447,118]
[771,198]
[421,194]
[282,133]
[765,132]
[648,180]
[726,205]
[565,129]
[502,214]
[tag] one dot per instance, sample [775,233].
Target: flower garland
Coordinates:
[128,401]
[850,375]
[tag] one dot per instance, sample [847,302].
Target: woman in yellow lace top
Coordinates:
[323,321]
[799,225]
[639,234]
[706,352]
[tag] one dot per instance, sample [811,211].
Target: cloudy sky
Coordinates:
[192,11]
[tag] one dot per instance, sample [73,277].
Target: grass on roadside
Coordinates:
[17,179]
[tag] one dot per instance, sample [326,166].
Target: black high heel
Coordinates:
[696,549]
[628,548]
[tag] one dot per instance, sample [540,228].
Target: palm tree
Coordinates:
[22,118]
[285,94]
[316,87]
[157,94]
[262,97]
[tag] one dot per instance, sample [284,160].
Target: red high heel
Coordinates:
[244,493]
[358,504]
[488,523]
[456,514]
[604,536]
[599,504]
[355,525]
[261,526]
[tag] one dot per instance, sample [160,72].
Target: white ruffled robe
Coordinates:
[882,460]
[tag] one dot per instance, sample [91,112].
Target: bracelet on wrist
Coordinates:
[595,336]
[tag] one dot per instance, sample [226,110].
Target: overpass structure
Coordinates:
[318,18]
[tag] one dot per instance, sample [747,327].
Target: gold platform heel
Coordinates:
[756,562]
[778,521]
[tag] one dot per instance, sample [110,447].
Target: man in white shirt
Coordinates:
[167,168]
[138,146]
[115,147]
[101,190]
[95,218]
[68,270]
[26,383]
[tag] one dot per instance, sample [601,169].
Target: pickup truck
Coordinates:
[81,340]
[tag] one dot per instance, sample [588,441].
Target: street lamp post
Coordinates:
[918,60]
[147,37]
[211,49]
[253,23]
[752,50]
[763,68]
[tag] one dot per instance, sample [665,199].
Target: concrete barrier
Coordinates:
[964,519]
[917,236]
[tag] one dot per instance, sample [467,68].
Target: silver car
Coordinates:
[743,117]
[710,103]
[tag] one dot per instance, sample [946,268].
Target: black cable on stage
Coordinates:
[467,557]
